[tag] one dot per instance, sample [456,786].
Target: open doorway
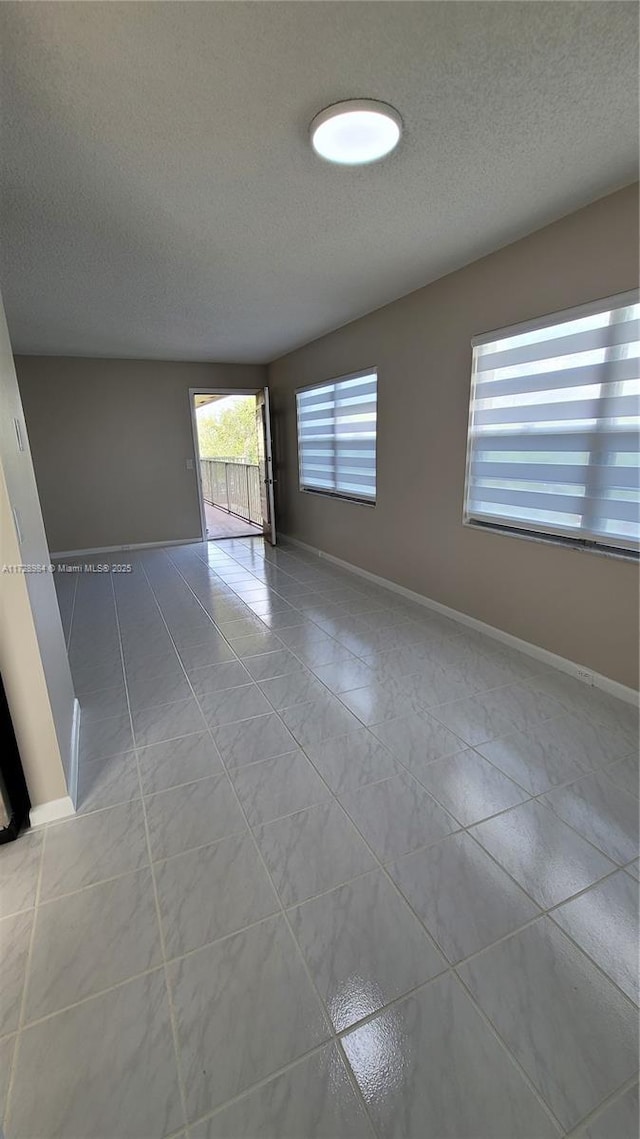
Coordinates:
[233,452]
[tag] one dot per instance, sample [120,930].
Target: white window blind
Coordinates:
[554,426]
[337,437]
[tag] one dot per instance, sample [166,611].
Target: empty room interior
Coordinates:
[320,501]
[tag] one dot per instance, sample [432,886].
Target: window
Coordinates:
[337,437]
[554,427]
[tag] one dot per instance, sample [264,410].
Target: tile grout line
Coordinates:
[407,770]
[323,893]
[600,969]
[450,970]
[600,769]
[337,1039]
[496,1033]
[542,912]
[511,1055]
[598,1111]
[285,646]
[346,577]
[462,828]
[511,933]
[451,967]
[25,985]
[334,1038]
[171,1009]
[44,902]
[527,682]
[299,953]
[91,996]
[316,1051]
[335,796]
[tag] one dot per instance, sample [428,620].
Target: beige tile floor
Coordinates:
[342,867]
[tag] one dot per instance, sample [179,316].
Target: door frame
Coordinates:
[263,406]
[196,448]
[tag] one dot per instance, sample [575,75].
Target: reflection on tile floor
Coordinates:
[342,869]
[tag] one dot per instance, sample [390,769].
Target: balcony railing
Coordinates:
[233,486]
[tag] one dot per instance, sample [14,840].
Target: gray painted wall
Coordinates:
[110,443]
[580,605]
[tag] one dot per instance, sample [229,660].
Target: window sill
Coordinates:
[551,540]
[338,497]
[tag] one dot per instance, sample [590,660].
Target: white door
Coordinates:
[265,463]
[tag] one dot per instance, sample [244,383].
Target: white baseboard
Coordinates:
[52,811]
[123,549]
[74,751]
[62,808]
[586,675]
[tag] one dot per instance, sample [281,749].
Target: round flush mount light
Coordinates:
[356,132]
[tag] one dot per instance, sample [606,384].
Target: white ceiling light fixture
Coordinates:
[356,132]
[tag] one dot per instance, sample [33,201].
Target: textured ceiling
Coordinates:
[161,200]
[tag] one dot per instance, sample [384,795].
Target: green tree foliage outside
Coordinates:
[229,433]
